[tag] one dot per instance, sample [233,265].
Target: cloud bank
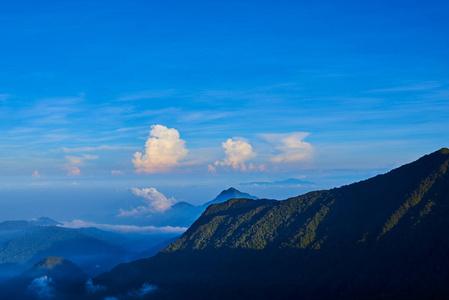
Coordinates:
[163,151]
[125,228]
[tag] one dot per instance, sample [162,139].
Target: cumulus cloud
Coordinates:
[163,151]
[156,202]
[290,147]
[237,152]
[75,161]
[36,174]
[72,171]
[125,228]
[117,172]
[211,169]
[42,287]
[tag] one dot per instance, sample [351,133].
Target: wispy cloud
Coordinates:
[124,228]
[289,147]
[80,160]
[54,110]
[146,95]
[145,289]
[117,172]
[91,149]
[410,88]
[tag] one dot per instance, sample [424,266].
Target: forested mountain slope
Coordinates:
[382,238]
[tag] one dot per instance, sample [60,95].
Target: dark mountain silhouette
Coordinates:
[382,238]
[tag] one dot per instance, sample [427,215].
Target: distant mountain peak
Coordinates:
[230,193]
[51,262]
[55,267]
[44,221]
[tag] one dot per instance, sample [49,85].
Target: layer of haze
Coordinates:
[101,97]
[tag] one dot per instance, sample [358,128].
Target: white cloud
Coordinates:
[211,169]
[163,151]
[93,288]
[290,147]
[238,150]
[124,228]
[43,287]
[72,171]
[146,288]
[156,202]
[36,174]
[117,172]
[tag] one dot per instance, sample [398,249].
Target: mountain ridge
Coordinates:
[353,242]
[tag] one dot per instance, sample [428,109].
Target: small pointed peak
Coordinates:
[50,262]
[44,221]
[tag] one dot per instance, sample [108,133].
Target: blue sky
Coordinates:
[325,91]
